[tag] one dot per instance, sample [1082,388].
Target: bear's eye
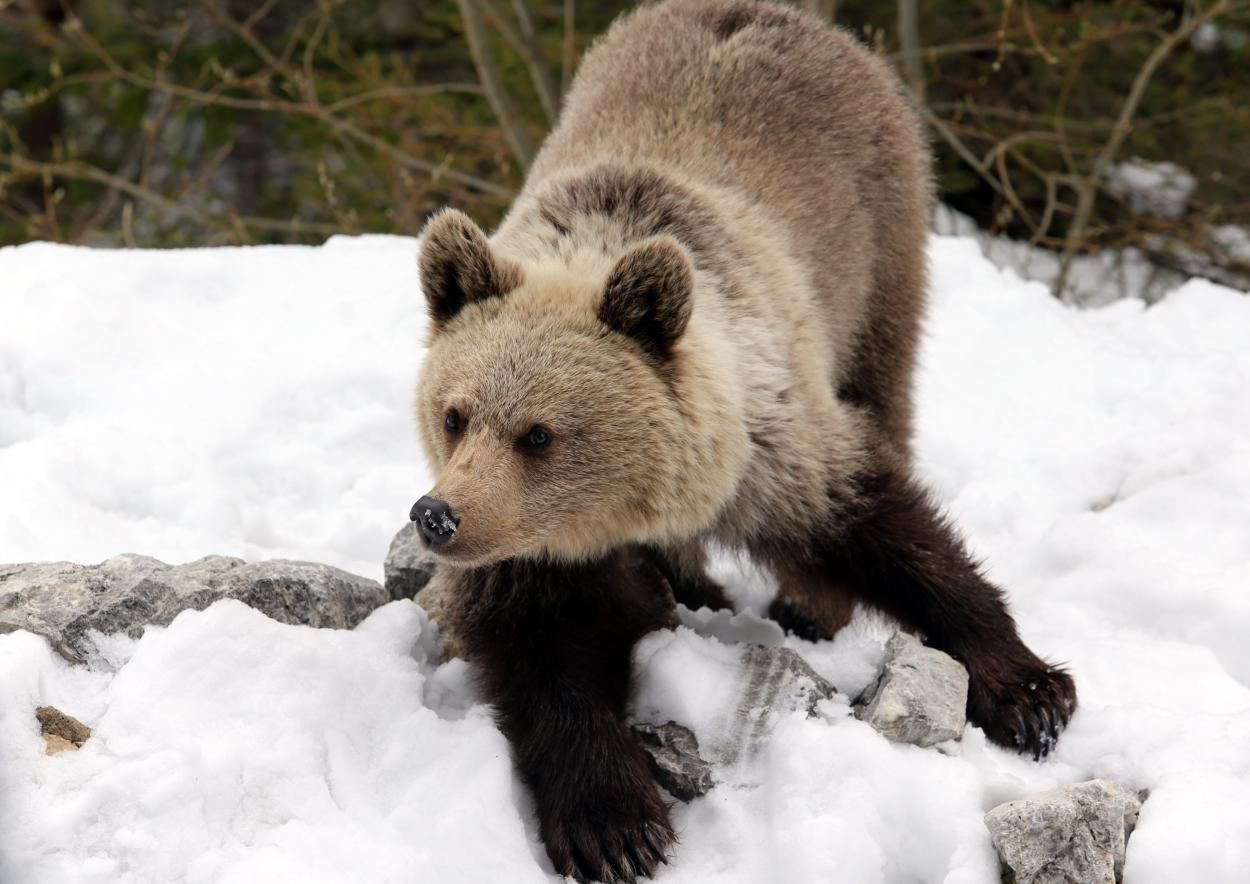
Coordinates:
[453,423]
[536,439]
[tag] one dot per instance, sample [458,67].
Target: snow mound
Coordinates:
[255,402]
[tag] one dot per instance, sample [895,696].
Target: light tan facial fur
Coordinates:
[575,354]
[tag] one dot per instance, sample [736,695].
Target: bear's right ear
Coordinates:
[458,266]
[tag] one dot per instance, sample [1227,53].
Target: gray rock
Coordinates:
[675,759]
[411,573]
[64,601]
[1073,835]
[920,697]
[778,678]
[409,565]
[771,680]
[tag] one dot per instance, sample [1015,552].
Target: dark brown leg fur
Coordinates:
[810,608]
[553,645]
[896,552]
[685,568]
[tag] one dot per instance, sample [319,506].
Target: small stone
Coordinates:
[920,697]
[1073,835]
[65,602]
[61,732]
[778,678]
[773,681]
[409,565]
[675,760]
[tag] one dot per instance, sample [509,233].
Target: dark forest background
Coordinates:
[220,121]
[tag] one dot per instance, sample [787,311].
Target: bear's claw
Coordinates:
[592,850]
[1024,707]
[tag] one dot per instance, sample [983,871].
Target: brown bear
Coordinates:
[698,321]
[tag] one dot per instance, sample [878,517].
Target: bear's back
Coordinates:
[769,104]
[742,94]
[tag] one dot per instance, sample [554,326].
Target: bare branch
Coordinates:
[308,83]
[506,112]
[233,224]
[280,106]
[401,91]
[80,171]
[909,43]
[1087,190]
[521,37]
[965,153]
[566,59]
[243,30]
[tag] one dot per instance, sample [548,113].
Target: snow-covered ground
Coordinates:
[255,403]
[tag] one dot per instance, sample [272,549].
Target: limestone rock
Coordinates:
[64,601]
[409,565]
[778,678]
[1073,835]
[771,681]
[411,573]
[920,697]
[675,759]
[61,732]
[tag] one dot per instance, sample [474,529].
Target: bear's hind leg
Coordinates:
[684,566]
[810,606]
[886,542]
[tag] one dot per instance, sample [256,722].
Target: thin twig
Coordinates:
[308,83]
[510,120]
[80,171]
[401,92]
[521,36]
[566,48]
[909,47]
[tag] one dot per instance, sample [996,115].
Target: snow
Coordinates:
[253,402]
[256,402]
[1094,280]
[1159,189]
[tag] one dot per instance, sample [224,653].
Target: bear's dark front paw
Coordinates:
[612,844]
[1023,705]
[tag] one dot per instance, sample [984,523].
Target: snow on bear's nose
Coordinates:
[435,519]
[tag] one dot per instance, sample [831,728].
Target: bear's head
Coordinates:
[563,409]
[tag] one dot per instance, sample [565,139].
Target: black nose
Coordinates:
[434,517]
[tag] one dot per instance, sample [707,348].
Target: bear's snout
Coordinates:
[435,520]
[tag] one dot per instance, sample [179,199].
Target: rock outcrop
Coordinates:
[66,602]
[409,565]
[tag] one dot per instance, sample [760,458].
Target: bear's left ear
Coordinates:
[649,294]
[458,266]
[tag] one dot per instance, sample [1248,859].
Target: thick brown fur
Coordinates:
[553,645]
[707,299]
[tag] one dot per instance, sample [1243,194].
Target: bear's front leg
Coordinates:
[554,644]
[599,812]
[888,545]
